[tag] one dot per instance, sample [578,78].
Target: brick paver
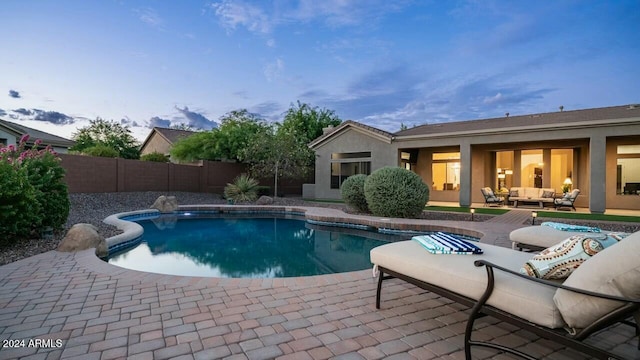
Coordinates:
[100,311]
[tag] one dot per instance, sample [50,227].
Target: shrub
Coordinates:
[243,189]
[263,190]
[155,156]
[352,191]
[101,150]
[33,194]
[395,192]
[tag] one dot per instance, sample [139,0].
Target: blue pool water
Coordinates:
[248,247]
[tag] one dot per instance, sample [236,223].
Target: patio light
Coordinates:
[534,215]
[472,211]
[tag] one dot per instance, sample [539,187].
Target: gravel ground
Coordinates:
[93,208]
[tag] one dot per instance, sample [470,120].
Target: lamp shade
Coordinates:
[567,181]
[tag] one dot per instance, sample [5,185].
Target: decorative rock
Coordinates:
[82,237]
[165,204]
[264,200]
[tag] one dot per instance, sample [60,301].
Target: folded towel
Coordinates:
[569,227]
[441,243]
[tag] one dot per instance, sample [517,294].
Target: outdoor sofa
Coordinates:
[603,291]
[542,196]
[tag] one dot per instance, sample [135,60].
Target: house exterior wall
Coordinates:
[9,139]
[594,158]
[156,144]
[349,140]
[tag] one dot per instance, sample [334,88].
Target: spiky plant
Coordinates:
[243,189]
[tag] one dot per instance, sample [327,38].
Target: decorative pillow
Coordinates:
[513,193]
[548,194]
[559,261]
[614,271]
[613,238]
[570,227]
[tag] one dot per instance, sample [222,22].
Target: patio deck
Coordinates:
[100,311]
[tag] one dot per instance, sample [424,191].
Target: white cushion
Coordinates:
[525,299]
[614,271]
[546,236]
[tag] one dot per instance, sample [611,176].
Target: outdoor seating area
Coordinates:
[567,201]
[541,196]
[490,198]
[603,291]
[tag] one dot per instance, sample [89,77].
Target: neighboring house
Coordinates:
[162,139]
[598,150]
[11,133]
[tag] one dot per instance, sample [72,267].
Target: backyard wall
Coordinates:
[89,174]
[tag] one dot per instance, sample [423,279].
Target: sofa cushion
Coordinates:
[513,193]
[530,192]
[548,194]
[560,260]
[614,271]
[525,299]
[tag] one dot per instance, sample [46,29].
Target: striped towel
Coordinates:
[441,243]
[569,227]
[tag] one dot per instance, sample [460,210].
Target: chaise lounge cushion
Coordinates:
[615,271]
[546,236]
[457,273]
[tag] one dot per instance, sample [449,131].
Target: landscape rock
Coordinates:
[165,204]
[81,237]
[264,200]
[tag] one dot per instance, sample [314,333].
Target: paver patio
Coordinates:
[100,311]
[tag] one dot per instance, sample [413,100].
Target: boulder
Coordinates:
[165,204]
[264,200]
[82,237]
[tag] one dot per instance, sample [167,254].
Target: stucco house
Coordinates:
[162,139]
[11,133]
[595,150]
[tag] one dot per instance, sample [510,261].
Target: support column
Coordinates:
[517,168]
[546,168]
[597,169]
[465,174]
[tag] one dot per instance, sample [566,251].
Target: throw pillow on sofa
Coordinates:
[548,194]
[559,261]
[513,193]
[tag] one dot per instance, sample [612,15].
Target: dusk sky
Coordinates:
[380,62]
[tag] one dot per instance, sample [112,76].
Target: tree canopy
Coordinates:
[106,134]
[307,122]
[236,131]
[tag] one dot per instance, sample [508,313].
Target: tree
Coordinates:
[307,122]
[110,134]
[278,154]
[237,130]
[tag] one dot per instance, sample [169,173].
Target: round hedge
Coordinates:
[352,191]
[395,192]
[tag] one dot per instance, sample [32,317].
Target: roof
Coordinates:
[48,139]
[370,130]
[171,135]
[594,115]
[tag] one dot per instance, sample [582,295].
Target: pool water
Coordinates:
[248,247]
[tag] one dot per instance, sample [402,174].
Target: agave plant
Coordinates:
[243,189]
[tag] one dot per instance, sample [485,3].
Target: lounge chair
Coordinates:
[567,200]
[603,291]
[541,237]
[490,198]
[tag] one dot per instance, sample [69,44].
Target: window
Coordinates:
[531,161]
[628,170]
[445,171]
[344,165]
[562,177]
[504,165]
[3,142]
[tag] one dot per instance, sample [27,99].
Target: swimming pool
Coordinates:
[248,246]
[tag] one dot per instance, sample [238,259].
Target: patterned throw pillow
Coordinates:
[513,193]
[548,194]
[559,261]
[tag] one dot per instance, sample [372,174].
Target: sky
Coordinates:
[384,63]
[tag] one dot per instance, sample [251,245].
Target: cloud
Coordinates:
[158,122]
[53,117]
[14,94]
[269,110]
[196,120]
[150,17]
[331,13]
[23,111]
[128,122]
[2,112]
[234,14]
[274,70]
